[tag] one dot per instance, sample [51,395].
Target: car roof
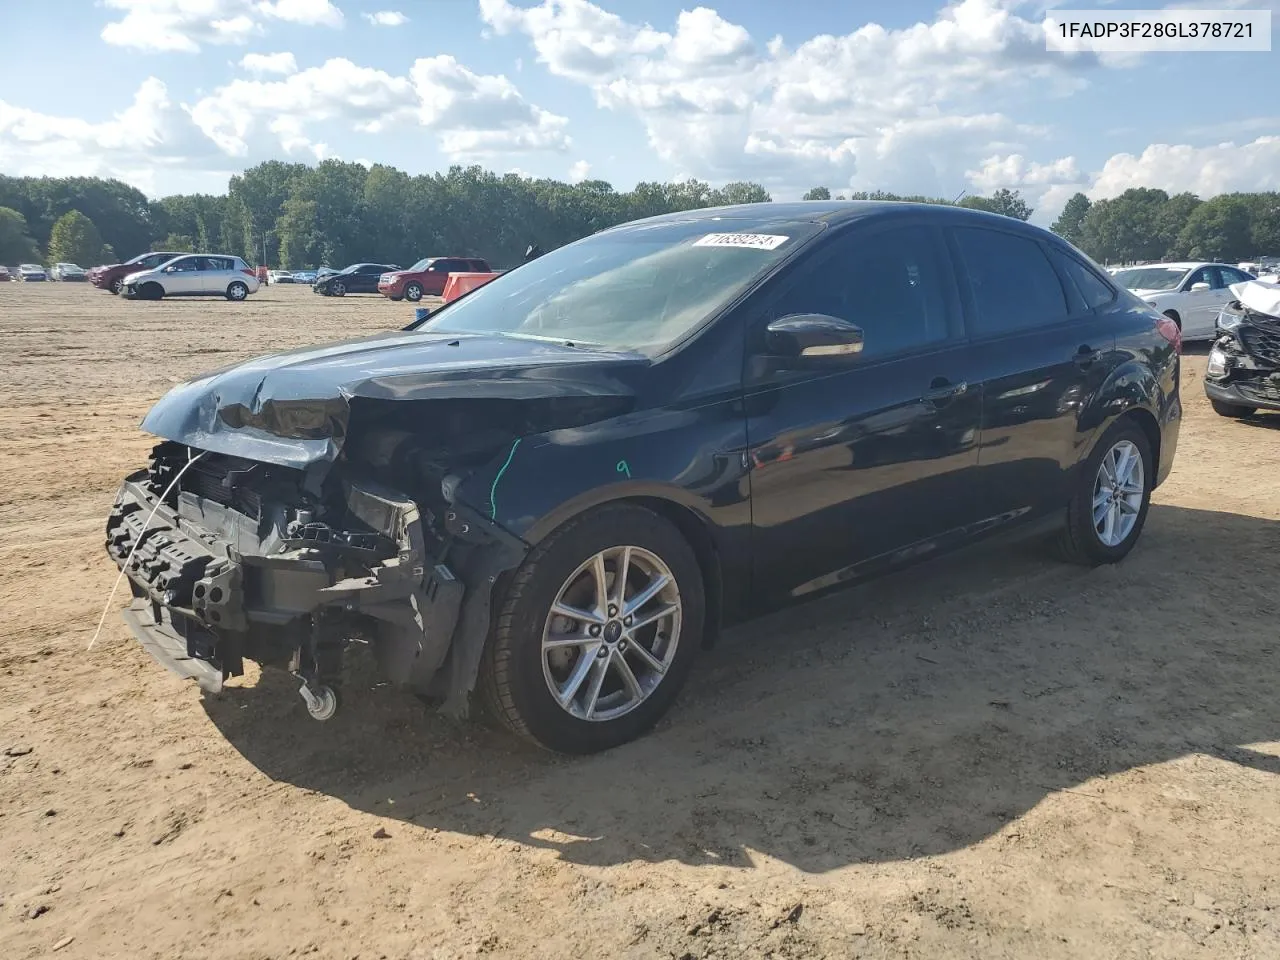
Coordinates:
[1179,265]
[833,213]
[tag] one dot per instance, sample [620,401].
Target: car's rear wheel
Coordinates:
[413,292]
[150,291]
[338,289]
[117,285]
[237,291]
[1231,409]
[1113,493]
[596,632]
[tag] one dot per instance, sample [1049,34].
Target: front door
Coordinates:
[853,463]
[182,276]
[1201,307]
[1041,352]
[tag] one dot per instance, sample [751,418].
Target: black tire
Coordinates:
[1173,315]
[117,285]
[413,292]
[151,291]
[237,291]
[395,299]
[337,289]
[1079,541]
[1235,411]
[512,684]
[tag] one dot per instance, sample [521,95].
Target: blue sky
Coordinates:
[919,97]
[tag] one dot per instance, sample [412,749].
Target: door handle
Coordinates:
[1086,356]
[941,390]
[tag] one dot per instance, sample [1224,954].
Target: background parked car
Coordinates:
[280,276]
[111,276]
[427,277]
[357,278]
[32,273]
[1191,294]
[305,276]
[67,271]
[195,275]
[4,274]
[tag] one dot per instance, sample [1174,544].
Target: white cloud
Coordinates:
[479,115]
[474,115]
[187,25]
[151,133]
[387,18]
[579,171]
[260,63]
[1205,171]
[834,109]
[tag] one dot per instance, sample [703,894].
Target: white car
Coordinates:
[1192,294]
[194,275]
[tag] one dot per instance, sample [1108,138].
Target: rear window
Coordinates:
[1014,287]
[1093,290]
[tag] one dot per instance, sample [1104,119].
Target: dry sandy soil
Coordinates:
[991,756]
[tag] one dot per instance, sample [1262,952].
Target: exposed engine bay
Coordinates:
[1244,363]
[231,559]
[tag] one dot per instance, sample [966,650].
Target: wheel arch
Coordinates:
[1174,315]
[667,503]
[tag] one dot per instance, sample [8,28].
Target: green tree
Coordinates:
[75,239]
[817,193]
[1218,229]
[1171,219]
[1007,203]
[1070,223]
[739,192]
[16,244]
[1124,229]
[178,243]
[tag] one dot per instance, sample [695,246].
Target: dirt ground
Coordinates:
[991,756]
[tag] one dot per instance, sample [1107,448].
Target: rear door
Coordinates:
[1041,352]
[855,462]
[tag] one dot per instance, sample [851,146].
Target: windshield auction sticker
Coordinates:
[752,241]
[1157,31]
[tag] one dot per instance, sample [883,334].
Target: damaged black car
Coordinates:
[553,491]
[1243,372]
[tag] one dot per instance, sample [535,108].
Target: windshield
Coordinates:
[1150,278]
[353,268]
[636,288]
[421,265]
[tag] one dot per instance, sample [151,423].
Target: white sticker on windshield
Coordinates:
[753,241]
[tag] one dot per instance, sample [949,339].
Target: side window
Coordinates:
[1200,276]
[1093,289]
[890,284]
[1014,286]
[439,266]
[150,263]
[187,265]
[1231,275]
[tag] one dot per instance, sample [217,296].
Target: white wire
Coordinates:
[115,586]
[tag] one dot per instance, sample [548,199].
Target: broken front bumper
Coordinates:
[213,586]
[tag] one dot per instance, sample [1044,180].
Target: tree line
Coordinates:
[295,215]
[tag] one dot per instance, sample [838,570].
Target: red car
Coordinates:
[111,276]
[427,277]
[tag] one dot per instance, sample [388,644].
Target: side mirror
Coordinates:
[170,269]
[816,336]
[1199,287]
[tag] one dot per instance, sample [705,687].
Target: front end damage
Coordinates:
[231,559]
[1244,363]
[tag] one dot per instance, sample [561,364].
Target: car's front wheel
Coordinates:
[596,632]
[338,289]
[150,291]
[117,285]
[1109,507]
[413,292]
[237,291]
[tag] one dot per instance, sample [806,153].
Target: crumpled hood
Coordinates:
[293,408]
[1258,296]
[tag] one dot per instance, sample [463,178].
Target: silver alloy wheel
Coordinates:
[1117,493]
[413,293]
[238,291]
[611,634]
[338,289]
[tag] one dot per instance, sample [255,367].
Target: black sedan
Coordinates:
[357,278]
[557,489]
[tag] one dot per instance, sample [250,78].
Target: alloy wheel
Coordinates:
[1118,490]
[611,634]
